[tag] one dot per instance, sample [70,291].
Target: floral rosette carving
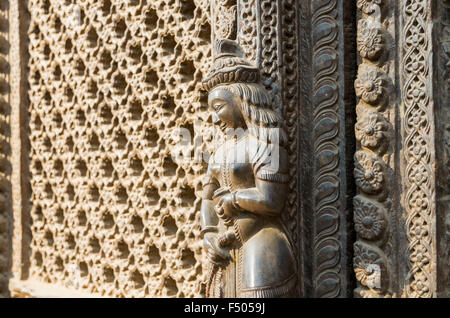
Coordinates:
[418,174]
[369,218]
[369,173]
[419,202]
[369,86]
[420,256]
[418,229]
[371,131]
[370,40]
[370,267]
[420,286]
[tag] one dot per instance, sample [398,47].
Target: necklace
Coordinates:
[225,166]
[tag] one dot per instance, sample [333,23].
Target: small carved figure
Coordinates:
[244,191]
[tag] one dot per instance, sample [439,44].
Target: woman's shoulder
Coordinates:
[270,161]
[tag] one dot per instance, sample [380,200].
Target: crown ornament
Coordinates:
[230,66]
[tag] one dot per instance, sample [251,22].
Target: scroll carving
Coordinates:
[329,276]
[326,208]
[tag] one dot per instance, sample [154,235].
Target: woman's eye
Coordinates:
[218,106]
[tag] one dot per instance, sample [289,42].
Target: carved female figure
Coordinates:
[245,188]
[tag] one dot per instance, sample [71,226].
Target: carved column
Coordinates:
[314,107]
[326,111]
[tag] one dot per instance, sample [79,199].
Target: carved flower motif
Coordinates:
[369,173]
[417,119]
[419,230]
[368,6]
[417,91]
[416,64]
[419,202]
[369,219]
[418,174]
[369,266]
[418,149]
[370,40]
[371,130]
[369,86]
[420,286]
[420,256]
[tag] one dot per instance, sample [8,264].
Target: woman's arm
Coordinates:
[208,217]
[265,198]
[268,195]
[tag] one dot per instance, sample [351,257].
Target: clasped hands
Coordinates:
[226,208]
[215,243]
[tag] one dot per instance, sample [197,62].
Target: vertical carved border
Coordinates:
[325,208]
[223,20]
[375,219]
[326,180]
[418,151]
[269,57]
[289,53]
[5,153]
[259,26]
[21,235]
[248,31]
[442,116]
[304,146]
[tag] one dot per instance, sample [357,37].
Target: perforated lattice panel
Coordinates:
[110,83]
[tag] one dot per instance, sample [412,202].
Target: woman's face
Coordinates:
[225,111]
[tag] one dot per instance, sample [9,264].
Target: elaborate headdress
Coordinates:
[230,66]
[238,76]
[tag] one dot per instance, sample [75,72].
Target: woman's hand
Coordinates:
[225,208]
[215,253]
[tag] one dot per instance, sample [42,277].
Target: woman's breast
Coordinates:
[241,175]
[233,169]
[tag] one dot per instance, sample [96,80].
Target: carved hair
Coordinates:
[256,107]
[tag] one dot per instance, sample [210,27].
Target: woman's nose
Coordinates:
[215,118]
